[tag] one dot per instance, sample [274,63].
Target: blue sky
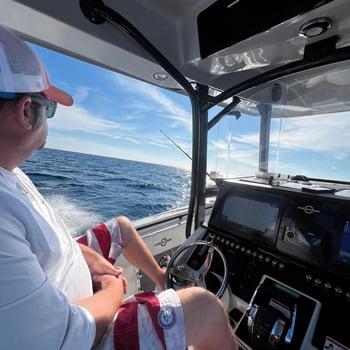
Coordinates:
[116,116]
[120,117]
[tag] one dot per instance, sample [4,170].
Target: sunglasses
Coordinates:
[50,105]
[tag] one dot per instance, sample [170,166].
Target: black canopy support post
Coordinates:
[199,160]
[195,103]
[192,206]
[265,124]
[202,158]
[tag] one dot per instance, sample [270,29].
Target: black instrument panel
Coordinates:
[307,226]
[288,252]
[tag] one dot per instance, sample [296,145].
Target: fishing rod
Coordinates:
[183,151]
[173,142]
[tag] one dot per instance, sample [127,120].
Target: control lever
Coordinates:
[276,333]
[264,326]
[252,311]
[289,336]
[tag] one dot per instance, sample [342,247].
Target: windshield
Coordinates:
[307,125]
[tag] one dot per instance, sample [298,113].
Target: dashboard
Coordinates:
[287,248]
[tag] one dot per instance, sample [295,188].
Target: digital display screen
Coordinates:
[344,251]
[256,215]
[248,214]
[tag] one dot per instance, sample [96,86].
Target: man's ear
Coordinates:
[24,113]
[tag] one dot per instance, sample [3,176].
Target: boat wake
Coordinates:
[76,218]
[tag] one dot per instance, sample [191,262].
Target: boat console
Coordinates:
[287,246]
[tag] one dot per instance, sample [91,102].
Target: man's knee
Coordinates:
[204,314]
[123,221]
[127,229]
[204,300]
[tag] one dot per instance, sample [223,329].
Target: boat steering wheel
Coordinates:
[183,272]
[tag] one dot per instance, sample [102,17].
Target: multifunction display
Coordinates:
[314,228]
[250,215]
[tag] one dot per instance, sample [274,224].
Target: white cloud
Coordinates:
[81,93]
[76,118]
[329,133]
[150,98]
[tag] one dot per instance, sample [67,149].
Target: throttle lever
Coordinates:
[289,336]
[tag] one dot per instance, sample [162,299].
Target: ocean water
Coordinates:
[86,190]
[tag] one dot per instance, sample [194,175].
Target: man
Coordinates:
[56,293]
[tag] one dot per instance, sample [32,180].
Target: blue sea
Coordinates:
[86,190]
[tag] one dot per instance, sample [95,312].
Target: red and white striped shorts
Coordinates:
[145,321]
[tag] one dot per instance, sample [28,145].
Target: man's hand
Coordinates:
[98,265]
[104,304]
[102,282]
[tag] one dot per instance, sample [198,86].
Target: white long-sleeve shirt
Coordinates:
[42,272]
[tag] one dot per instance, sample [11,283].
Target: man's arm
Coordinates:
[104,304]
[111,286]
[33,313]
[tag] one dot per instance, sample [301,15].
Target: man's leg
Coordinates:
[173,320]
[138,254]
[119,235]
[206,321]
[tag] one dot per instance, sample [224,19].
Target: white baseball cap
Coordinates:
[21,71]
